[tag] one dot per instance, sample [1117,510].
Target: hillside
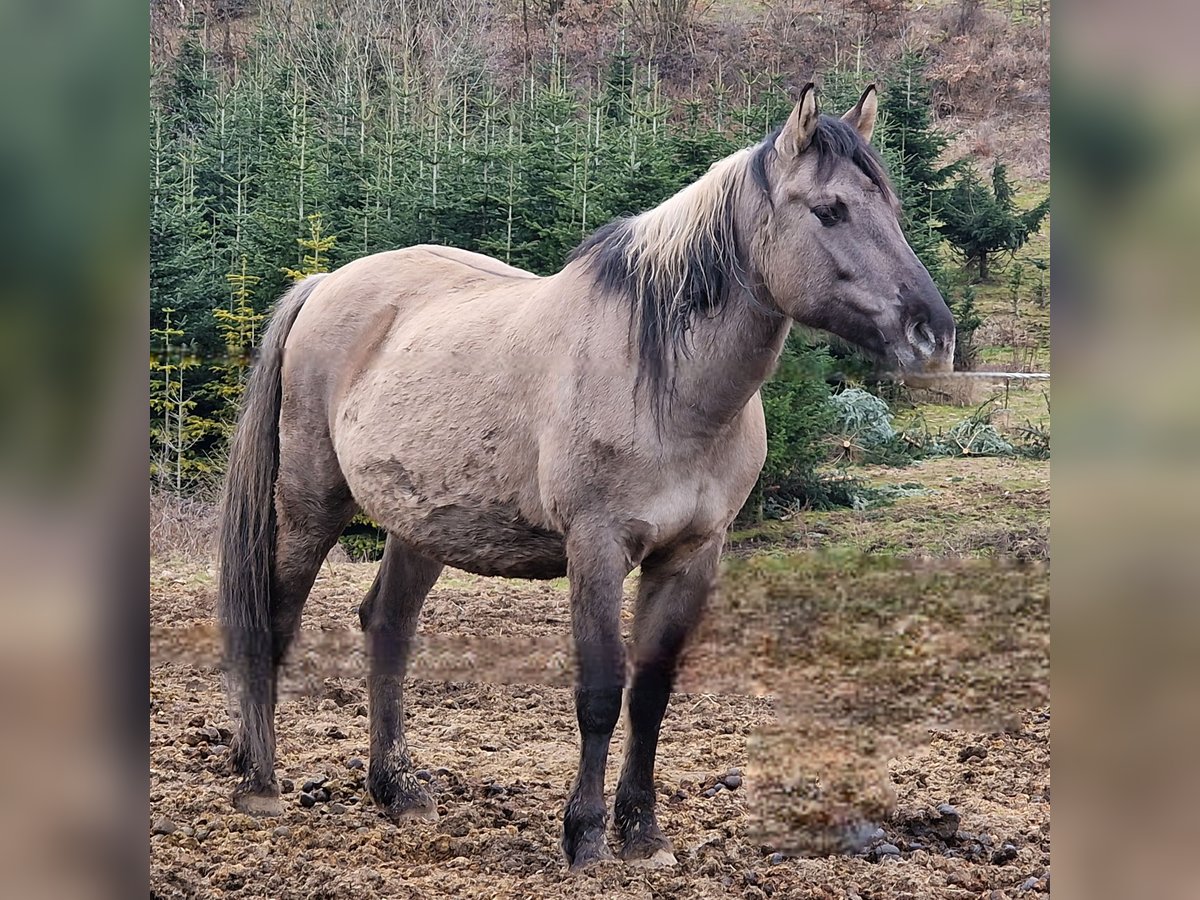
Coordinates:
[990,59]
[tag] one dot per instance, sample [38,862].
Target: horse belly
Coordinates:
[473,530]
[493,539]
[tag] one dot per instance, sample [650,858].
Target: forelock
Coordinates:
[832,141]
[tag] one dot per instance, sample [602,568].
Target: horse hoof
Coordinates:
[588,849]
[414,805]
[659,859]
[258,803]
[585,860]
[414,814]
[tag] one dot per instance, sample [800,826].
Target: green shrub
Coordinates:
[799,417]
[363,540]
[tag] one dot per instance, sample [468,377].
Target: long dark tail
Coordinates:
[246,541]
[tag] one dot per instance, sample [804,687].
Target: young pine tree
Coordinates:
[313,246]
[239,325]
[175,429]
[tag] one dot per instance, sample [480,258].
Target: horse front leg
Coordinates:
[671,598]
[596,570]
[389,617]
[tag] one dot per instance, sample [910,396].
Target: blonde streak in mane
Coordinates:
[662,237]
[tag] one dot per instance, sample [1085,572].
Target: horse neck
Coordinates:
[732,355]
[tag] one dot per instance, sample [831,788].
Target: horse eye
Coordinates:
[827,215]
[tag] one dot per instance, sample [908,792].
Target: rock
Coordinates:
[423,775]
[307,800]
[946,824]
[877,835]
[711,792]
[733,782]
[186,831]
[1005,854]
[493,790]
[312,784]
[286,785]
[1030,884]
[884,850]
[455,826]
[775,859]
[322,795]
[163,826]
[281,832]
[750,877]
[354,763]
[972,752]
[336,809]
[734,771]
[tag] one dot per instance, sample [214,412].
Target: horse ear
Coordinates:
[862,115]
[797,132]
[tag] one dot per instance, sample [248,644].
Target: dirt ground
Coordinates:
[811,673]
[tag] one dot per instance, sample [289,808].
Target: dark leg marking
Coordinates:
[596,567]
[671,599]
[389,617]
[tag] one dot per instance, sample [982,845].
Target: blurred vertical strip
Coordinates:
[1126,510]
[73,453]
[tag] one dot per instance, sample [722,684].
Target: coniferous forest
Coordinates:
[287,165]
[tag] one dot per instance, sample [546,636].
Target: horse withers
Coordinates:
[586,423]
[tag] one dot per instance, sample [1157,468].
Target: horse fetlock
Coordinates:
[239,757]
[584,841]
[583,849]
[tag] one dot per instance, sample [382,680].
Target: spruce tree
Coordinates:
[918,172]
[979,220]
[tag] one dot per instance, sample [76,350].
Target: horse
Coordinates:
[584,424]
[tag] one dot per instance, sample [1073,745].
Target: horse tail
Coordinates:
[246,540]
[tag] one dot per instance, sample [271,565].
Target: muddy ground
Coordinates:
[843,688]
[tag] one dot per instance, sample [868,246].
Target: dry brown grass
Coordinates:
[185,528]
[949,391]
[181,527]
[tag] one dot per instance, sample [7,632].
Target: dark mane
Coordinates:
[663,310]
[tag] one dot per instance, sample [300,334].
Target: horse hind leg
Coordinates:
[389,618]
[310,513]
